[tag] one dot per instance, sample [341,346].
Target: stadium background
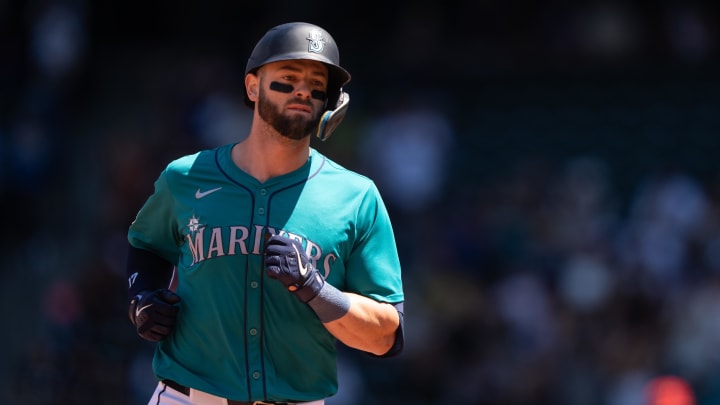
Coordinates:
[551,170]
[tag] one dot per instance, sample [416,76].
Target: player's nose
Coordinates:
[303,89]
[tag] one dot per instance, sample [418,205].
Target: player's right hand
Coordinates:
[154,313]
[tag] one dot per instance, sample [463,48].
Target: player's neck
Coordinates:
[264,157]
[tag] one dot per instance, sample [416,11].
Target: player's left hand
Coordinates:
[285,260]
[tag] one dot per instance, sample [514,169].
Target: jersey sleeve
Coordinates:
[373,268]
[154,227]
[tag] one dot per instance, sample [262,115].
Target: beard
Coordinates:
[297,127]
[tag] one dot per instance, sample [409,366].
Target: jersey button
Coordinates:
[256,375]
[253,284]
[263,191]
[253,331]
[261,211]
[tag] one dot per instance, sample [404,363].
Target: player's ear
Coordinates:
[252,83]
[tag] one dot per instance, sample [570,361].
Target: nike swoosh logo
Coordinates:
[303,268]
[138,310]
[200,194]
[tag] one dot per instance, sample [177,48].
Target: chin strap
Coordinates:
[332,118]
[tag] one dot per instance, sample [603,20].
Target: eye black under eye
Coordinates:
[281,87]
[318,95]
[288,88]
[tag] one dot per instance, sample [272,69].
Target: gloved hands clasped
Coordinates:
[154,313]
[285,260]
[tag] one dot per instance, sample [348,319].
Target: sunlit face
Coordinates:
[292,96]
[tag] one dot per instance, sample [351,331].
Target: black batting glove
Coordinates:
[154,313]
[285,260]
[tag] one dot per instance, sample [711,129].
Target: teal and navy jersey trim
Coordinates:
[236,325]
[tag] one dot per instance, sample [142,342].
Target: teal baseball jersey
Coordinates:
[240,334]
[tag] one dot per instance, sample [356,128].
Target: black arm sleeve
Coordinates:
[399,344]
[146,271]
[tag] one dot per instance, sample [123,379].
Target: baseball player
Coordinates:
[275,252]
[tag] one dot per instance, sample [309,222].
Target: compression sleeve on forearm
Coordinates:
[330,304]
[146,271]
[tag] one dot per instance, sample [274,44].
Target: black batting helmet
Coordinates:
[300,40]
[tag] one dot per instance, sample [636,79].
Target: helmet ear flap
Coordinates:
[332,118]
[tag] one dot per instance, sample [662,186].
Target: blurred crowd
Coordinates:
[558,220]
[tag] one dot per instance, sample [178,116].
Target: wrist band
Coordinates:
[330,304]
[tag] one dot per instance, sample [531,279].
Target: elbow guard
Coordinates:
[146,271]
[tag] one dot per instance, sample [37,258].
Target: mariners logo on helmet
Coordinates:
[316,42]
